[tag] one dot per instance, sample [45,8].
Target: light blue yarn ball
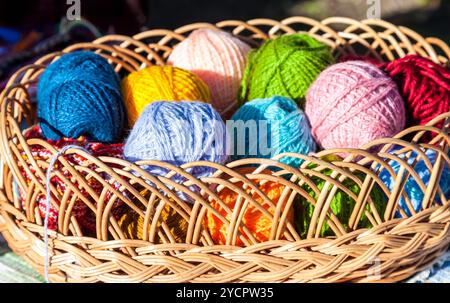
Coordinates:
[263,128]
[80,95]
[178,133]
[412,189]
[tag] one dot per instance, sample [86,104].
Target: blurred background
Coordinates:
[30,28]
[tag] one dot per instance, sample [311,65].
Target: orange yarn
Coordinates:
[257,223]
[161,83]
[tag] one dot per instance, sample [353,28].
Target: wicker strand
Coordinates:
[47,202]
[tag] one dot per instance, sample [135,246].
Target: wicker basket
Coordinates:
[394,249]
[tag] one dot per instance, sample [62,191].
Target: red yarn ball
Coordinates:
[424,85]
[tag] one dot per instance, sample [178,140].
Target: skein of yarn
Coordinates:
[79,94]
[353,103]
[264,128]
[414,193]
[424,85]
[342,204]
[159,83]
[218,58]
[132,225]
[178,133]
[285,66]
[258,224]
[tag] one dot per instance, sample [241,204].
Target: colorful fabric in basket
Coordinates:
[84,215]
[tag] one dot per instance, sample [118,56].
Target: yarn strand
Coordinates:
[51,166]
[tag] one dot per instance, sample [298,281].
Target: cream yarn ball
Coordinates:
[219,59]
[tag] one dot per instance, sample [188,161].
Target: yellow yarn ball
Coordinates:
[161,83]
[132,225]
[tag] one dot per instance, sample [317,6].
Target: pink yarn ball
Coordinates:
[353,103]
[218,58]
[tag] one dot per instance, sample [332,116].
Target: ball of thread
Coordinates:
[80,95]
[218,58]
[285,66]
[286,130]
[353,103]
[411,188]
[258,224]
[178,133]
[158,83]
[132,225]
[341,205]
[424,85]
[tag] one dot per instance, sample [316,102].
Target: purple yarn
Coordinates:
[178,133]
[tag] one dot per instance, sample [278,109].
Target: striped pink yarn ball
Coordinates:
[353,103]
[218,58]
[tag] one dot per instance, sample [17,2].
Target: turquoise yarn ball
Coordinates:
[412,189]
[263,128]
[80,95]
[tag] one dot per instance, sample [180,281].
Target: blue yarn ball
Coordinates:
[80,95]
[178,133]
[412,189]
[286,130]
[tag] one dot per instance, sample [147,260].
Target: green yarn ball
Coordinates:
[342,205]
[285,66]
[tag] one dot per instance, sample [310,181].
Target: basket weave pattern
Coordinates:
[394,249]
